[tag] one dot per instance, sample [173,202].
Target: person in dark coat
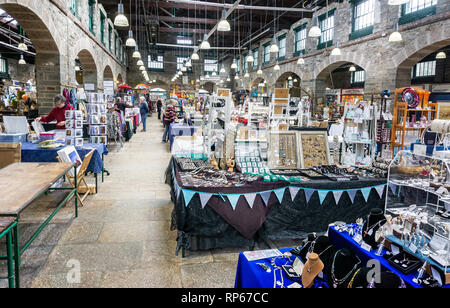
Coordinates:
[159,107]
[144,110]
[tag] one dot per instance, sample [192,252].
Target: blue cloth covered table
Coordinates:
[180,130]
[344,240]
[251,275]
[31,153]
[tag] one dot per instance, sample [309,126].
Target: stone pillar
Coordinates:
[48,80]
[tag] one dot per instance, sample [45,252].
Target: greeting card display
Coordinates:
[74,127]
[97,118]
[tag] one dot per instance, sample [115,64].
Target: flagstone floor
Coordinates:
[122,236]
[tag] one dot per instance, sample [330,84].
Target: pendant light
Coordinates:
[274,47]
[222,70]
[142,68]
[336,50]
[214,74]
[188,64]
[195,54]
[22,60]
[136,53]
[205,44]
[276,67]
[395,36]
[246,75]
[250,58]
[224,25]
[228,79]
[22,46]
[130,41]
[236,78]
[140,62]
[397,2]
[352,68]
[184,69]
[234,65]
[259,72]
[441,55]
[301,61]
[121,20]
[315,30]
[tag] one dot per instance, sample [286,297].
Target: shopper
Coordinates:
[121,105]
[58,113]
[159,107]
[169,117]
[144,110]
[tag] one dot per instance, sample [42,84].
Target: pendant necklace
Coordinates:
[336,281]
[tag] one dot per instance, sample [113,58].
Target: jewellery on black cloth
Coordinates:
[337,281]
[350,284]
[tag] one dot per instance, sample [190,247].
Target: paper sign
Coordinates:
[436,275]
[358,239]
[395,250]
[298,266]
[366,247]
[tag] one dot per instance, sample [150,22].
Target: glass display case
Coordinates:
[418,209]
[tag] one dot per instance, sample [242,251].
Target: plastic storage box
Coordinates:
[47,136]
[13,138]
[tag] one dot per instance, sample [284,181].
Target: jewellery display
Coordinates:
[283,150]
[337,281]
[314,150]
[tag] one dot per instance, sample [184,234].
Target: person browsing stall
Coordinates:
[169,117]
[58,113]
[144,110]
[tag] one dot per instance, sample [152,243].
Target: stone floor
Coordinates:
[122,236]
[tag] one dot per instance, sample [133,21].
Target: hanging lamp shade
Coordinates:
[274,47]
[395,36]
[336,50]
[214,74]
[301,61]
[224,25]
[136,53]
[259,72]
[184,69]
[202,78]
[140,63]
[205,44]
[142,68]
[22,46]
[247,75]
[315,30]
[222,70]
[236,78]
[276,67]
[188,64]
[195,54]
[234,65]
[121,20]
[250,58]
[22,60]
[130,41]
[352,68]
[228,79]
[441,55]
[207,76]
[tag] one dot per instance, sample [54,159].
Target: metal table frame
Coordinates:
[19,251]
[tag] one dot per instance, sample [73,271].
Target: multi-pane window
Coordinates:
[245,66]
[363,14]
[211,65]
[3,65]
[256,58]
[156,65]
[102,28]
[282,47]
[181,61]
[417,5]
[300,39]
[110,37]
[266,54]
[358,77]
[183,40]
[327,28]
[91,15]
[425,69]
[238,63]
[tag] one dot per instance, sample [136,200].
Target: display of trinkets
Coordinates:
[335,173]
[188,164]
[314,175]
[314,150]
[215,178]
[283,150]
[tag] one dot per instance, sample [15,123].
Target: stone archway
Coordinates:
[41,30]
[89,73]
[160,84]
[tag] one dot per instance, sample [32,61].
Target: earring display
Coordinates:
[314,150]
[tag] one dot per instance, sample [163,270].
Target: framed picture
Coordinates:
[70,114]
[69,141]
[281,93]
[314,149]
[283,150]
[443,111]
[79,115]
[79,142]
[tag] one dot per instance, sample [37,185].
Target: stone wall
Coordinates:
[59,36]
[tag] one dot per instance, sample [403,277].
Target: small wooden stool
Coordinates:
[7,226]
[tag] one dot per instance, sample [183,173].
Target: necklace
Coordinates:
[368,229]
[337,281]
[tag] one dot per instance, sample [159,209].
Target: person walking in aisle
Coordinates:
[144,110]
[159,107]
[169,117]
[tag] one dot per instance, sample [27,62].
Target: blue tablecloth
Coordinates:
[31,153]
[251,275]
[343,240]
[180,130]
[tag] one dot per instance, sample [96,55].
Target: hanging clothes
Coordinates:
[73,99]
[66,94]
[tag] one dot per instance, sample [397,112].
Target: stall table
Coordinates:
[217,224]
[23,183]
[344,240]
[31,153]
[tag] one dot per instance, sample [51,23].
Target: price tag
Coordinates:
[442,190]
[366,247]
[358,238]
[413,248]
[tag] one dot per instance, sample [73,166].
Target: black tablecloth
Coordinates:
[218,225]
